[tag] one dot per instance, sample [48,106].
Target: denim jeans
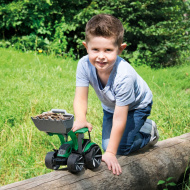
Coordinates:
[132,139]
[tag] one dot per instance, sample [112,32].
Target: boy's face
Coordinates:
[103,52]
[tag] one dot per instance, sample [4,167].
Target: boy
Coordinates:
[126,98]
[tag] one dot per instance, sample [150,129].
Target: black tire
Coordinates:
[49,161]
[93,158]
[75,163]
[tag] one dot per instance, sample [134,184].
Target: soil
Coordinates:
[52,116]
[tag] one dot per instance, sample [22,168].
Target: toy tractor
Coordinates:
[76,153]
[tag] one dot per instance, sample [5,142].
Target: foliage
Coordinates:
[156,31]
[161,31]
[167,183]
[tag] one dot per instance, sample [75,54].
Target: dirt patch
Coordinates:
[187,90]
[52,116]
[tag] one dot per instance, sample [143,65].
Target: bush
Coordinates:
[156,30]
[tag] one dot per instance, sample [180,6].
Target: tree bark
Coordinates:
[140,171]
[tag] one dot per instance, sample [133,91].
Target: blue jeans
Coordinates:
[132,138]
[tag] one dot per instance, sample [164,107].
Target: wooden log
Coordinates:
[140,170]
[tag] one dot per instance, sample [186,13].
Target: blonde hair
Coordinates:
[105,25]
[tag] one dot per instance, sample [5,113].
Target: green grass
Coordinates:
[31,84]
[171,95]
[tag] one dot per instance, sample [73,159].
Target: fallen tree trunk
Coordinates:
[140,170]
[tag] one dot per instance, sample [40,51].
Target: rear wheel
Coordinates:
[75,163]
[93,158]
[49,161]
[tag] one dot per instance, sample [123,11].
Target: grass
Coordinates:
[171,91]
[32,83]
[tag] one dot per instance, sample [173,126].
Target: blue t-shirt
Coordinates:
[124,86]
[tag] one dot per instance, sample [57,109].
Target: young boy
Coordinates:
[126,98]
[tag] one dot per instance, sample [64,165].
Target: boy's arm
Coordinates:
[118,127]
[80,109]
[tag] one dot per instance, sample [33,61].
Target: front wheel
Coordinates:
[49,161]
[75,163]
[93,158]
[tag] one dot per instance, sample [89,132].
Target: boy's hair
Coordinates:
[106,26]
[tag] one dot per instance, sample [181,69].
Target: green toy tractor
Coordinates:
[77,153]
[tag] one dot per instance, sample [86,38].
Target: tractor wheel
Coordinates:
[49,161]
[93,158]
[75,163]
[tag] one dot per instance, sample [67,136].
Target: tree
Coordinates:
[156,31]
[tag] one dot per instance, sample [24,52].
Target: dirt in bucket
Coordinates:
[52,116]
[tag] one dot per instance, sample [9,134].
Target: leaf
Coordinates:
[170,178]
[160,182]
[171,184]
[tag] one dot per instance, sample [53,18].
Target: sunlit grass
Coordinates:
[171,91]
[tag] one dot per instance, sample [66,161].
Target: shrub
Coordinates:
[156,30]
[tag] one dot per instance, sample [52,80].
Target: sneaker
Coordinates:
[150,127]
[154,134]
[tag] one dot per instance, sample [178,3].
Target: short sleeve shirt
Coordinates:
[124,86]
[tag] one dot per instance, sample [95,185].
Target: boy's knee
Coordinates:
[105,144]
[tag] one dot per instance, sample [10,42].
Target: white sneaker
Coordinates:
[150,127]
[154,134]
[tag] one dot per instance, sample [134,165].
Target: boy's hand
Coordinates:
[112,162]
[81,124]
